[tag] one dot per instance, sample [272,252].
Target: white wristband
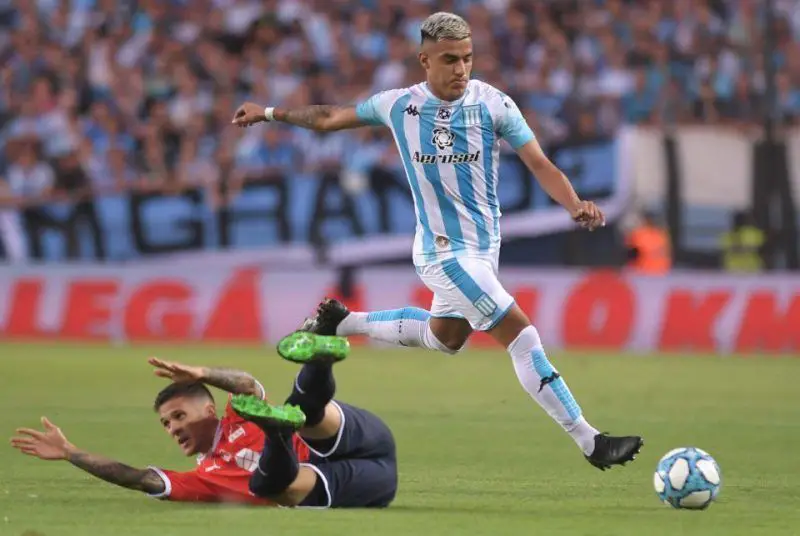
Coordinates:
[268,111]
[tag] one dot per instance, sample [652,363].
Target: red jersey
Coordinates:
[223,474]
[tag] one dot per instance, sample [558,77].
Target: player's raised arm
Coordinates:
[317,117]
[373,111]
[230,380]
[52,444]
[558,186]
[515,130]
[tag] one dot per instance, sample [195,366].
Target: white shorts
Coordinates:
[468,288]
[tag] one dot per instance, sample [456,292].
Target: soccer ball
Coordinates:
[687,478]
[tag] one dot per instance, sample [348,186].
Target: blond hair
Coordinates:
[444,26]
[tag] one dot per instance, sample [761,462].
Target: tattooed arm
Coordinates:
[145,480]
[317,117]
[52,444]
[232,380]
[323,117]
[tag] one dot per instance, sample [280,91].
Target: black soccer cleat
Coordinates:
[309,324]
[330,313]
[610,450]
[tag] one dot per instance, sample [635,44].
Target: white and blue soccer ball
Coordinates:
[687,478]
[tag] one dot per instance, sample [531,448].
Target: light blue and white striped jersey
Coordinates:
[451,155]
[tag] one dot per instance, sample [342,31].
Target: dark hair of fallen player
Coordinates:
[189,390]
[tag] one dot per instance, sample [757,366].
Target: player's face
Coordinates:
[448,65]
[192,422]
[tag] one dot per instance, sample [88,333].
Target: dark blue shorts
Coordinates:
[359,467]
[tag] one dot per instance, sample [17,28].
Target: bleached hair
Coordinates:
[444,26]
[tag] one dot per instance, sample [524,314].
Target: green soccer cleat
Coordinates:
[305,347]
[253,409]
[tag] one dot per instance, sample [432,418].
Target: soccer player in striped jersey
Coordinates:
[448,131]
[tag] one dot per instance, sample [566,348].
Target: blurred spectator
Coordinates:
[649,248]
[743,245]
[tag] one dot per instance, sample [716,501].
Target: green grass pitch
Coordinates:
[476,455]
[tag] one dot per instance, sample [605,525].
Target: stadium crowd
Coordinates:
[105,95]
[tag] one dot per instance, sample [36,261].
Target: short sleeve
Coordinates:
[183,487]
[376,109]
[512,127]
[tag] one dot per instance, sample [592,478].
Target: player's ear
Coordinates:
[211,409]
[424,60]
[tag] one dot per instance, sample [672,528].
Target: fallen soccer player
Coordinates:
[312,451]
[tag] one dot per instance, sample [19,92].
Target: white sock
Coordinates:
[543,383]
[408,326]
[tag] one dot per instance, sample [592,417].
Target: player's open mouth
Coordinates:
[183,441]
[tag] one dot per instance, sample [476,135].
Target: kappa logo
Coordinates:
[442,137]
[412,111]
[547,380]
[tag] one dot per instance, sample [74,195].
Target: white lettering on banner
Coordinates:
[697,312]
[152,303]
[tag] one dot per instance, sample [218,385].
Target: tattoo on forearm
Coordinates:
[307,116]
[231,380]
[118,473]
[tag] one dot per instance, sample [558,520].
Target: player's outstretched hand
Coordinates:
[177,372]
[248,114]
[48,445]
[589,216]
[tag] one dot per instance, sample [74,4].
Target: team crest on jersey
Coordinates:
[472,115]
[247,459]
[442,137]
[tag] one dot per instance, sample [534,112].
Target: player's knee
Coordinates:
[449,343]
[449,335]
[453,345]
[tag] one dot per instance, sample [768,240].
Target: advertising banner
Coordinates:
[572,309]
